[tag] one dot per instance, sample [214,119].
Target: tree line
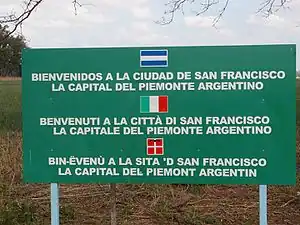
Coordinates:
[10,52]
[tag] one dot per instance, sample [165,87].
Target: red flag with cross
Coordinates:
[155,146]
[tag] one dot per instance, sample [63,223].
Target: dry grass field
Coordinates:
[23,204]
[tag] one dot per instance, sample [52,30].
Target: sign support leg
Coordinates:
[54,204]
[263,205]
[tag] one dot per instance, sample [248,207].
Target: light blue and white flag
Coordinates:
[154,58]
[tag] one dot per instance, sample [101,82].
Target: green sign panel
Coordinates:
[203,115]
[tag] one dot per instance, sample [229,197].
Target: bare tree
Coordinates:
[28,7]
[16,20]
[267,7]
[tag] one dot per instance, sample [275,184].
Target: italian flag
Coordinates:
[154,104]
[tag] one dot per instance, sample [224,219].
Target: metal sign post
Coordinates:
[54,204]
[263,205]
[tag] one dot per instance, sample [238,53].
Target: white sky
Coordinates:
[132,23]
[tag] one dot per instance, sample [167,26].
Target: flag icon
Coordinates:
[155,146]
[154,104]
[154,58]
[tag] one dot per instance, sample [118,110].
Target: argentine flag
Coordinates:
[154,58]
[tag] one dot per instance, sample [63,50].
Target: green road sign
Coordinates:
[203,115]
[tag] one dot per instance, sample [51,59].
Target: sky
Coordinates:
[104,23]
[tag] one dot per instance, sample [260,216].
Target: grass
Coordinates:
[10,103]
[29,204]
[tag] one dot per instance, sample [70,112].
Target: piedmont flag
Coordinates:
[154,104]
[155,146]
[154,58]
